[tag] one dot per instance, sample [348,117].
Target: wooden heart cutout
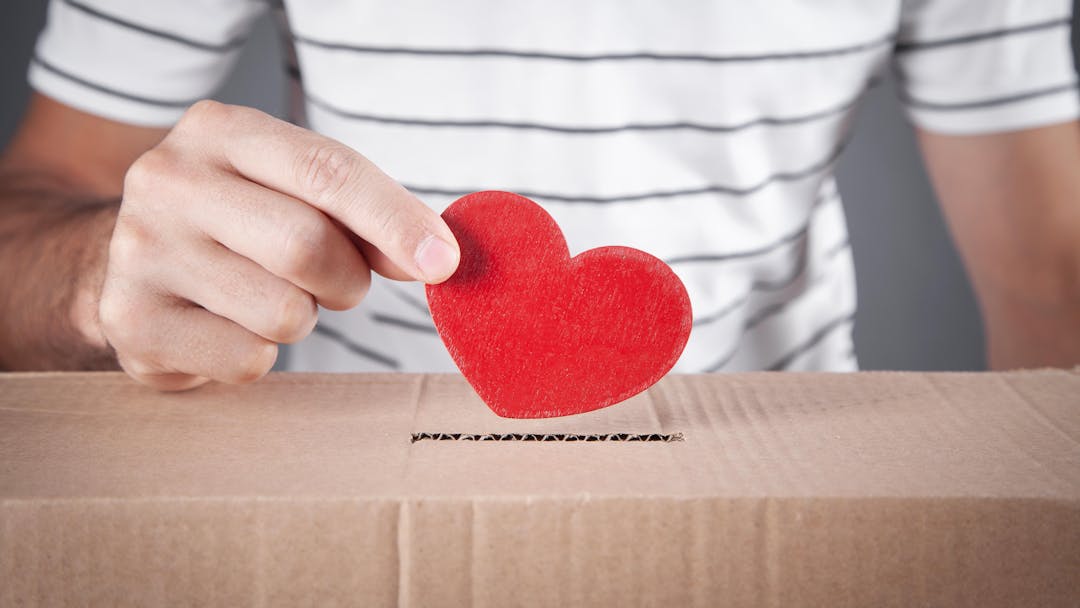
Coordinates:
[538,333]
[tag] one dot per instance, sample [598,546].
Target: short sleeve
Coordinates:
[983,66]
[139,61]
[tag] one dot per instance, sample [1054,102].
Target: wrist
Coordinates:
[84,317]
[83,302]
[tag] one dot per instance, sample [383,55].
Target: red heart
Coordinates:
[540,334]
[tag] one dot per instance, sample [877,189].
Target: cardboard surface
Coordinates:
[540,334]
[879,489]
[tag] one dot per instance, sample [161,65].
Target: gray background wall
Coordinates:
[916,311]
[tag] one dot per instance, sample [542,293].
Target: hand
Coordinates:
[233,228]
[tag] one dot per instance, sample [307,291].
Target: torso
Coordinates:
[705,136]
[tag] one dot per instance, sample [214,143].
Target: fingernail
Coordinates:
[436,258]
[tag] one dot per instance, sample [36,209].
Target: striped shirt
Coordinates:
[704,133]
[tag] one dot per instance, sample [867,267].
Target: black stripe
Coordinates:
[762,250]
[761,315]
[993,101]
[358,349]
[590,437]
[729,308]
[724,360]
[409,299]
[759,285]
[813,341]
[664,126]
[403,323]
[166,103]
[768,311]
[921,45]
[745,254]
[885,41]
[837,248]
[189,42]
[757,318]
[765,312]
[784,176]
[796,271]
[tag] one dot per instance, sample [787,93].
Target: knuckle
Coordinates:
[304,245]
[112,311]
[325,170]
[204,116]
[150,171]
[254,363]
[361,283]
[130,243]
[400,227]
[387,216]
[121,319]
[294,318]
[401,222]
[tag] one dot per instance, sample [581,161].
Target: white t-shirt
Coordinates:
[704,133]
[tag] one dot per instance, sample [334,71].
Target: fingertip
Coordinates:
[436,259]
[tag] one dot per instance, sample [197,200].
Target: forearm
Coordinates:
[1013,203]
[1029,288]
[53,250]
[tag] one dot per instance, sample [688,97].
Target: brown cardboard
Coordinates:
[873,489]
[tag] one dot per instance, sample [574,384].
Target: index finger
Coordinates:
[335,179]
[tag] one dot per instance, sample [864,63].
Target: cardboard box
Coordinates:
[874,489]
